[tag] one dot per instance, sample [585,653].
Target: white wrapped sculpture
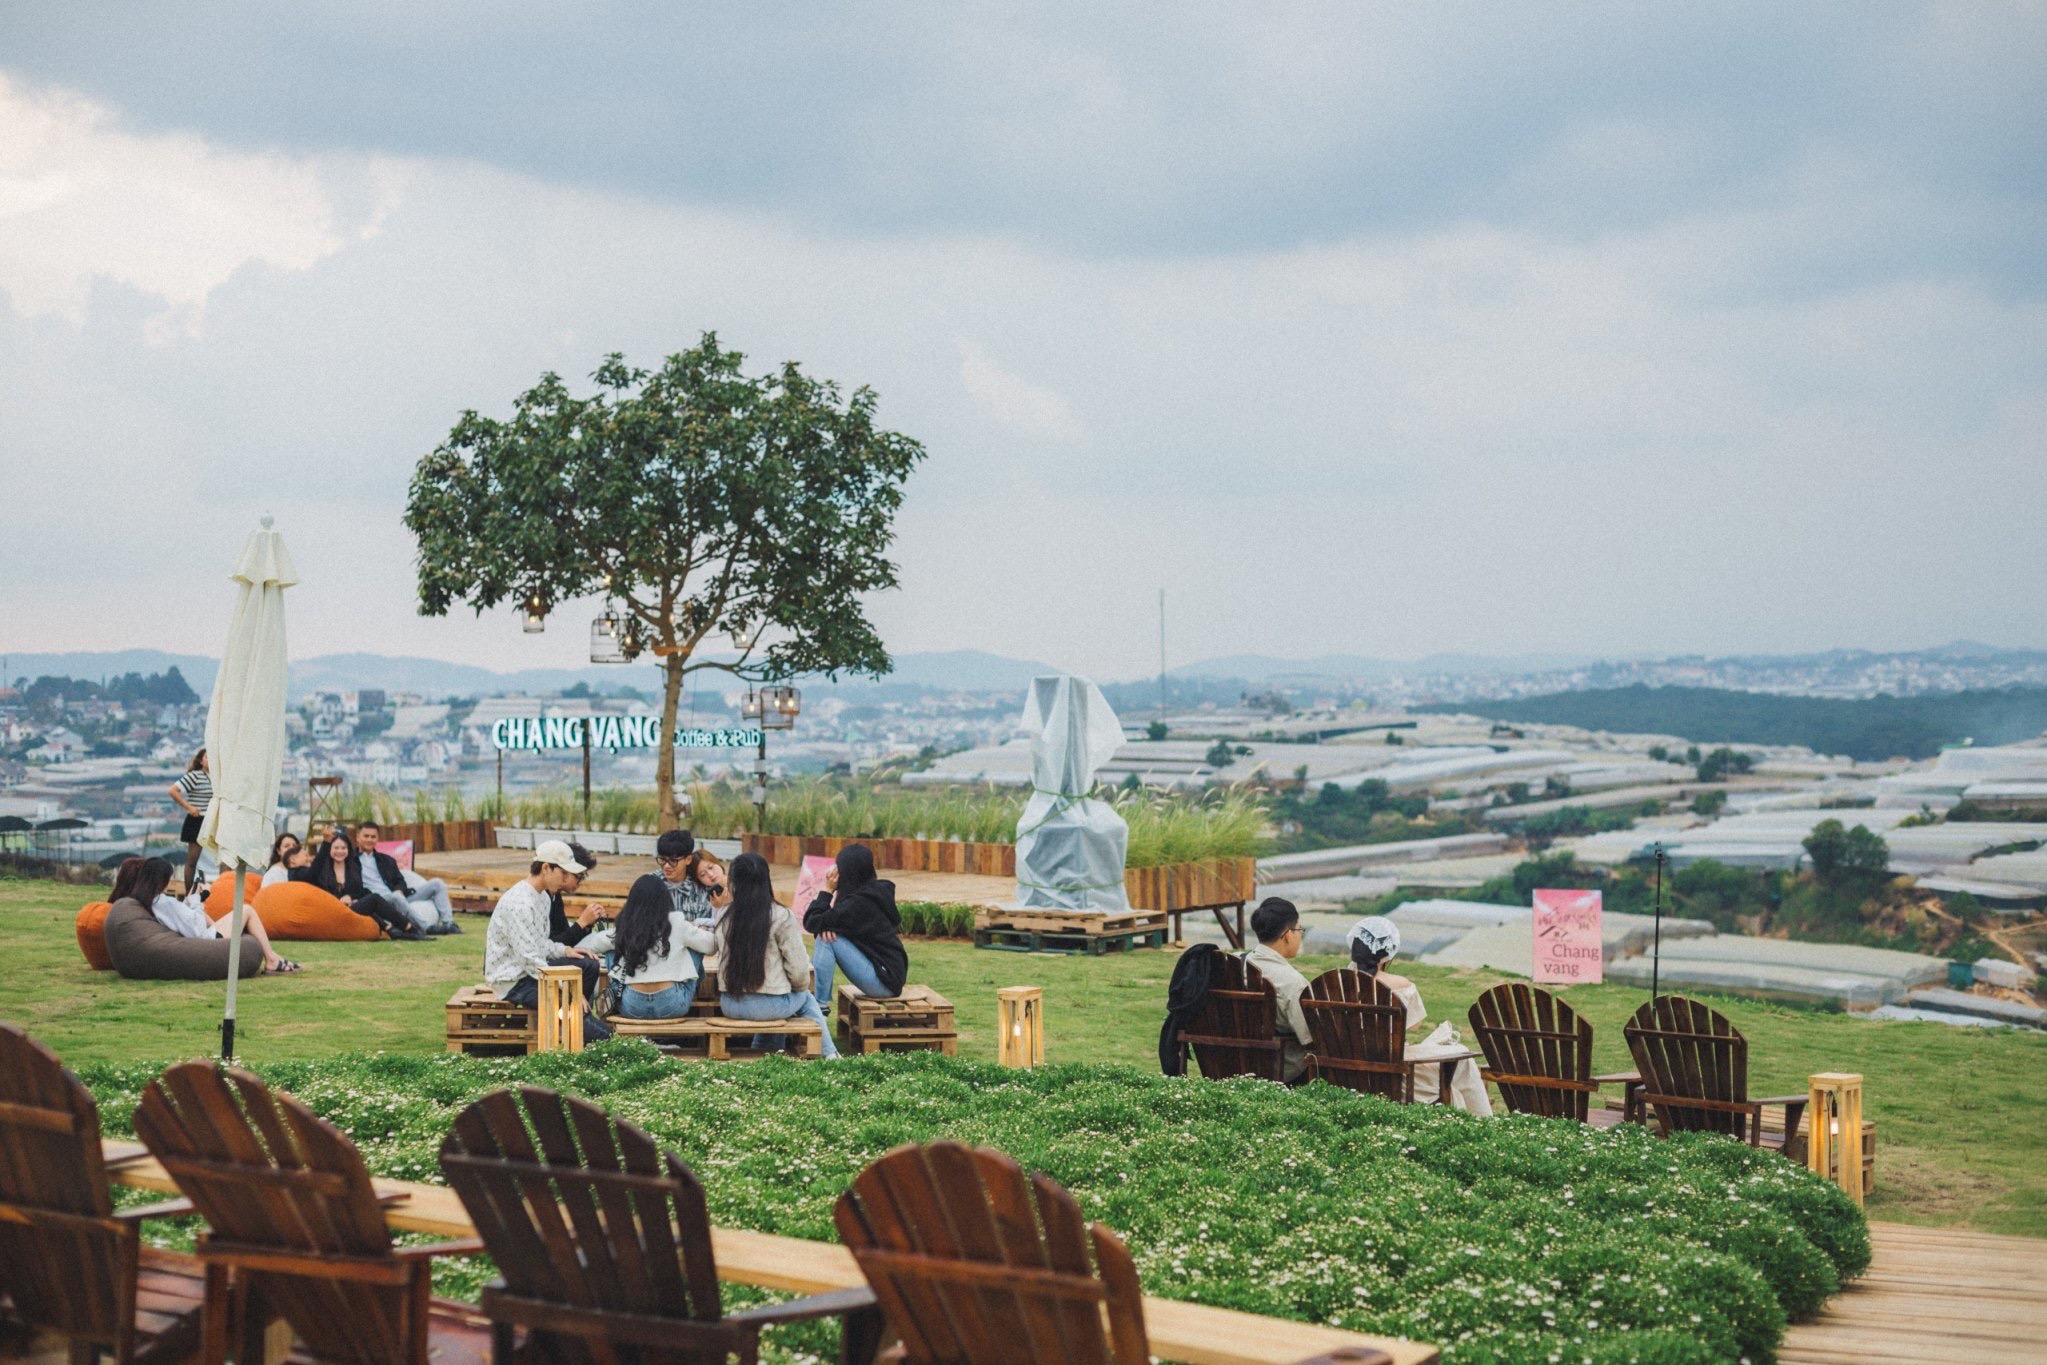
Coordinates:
[1070,847]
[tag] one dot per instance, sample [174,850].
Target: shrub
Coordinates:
[1501,1239]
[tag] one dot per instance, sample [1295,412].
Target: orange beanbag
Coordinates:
[302,912]
[92,935]
[221,900]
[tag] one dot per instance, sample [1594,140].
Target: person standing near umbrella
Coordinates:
[193,793]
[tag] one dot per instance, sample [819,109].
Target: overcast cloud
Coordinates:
[1378,330]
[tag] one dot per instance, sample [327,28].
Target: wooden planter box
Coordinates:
[1178,886]
[891,855]
[1191,886]
[444,836]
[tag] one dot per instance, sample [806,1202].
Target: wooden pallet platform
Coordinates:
[1069,921]
[1091,945]
[1934,1294]
[480,1024]
[918,1020]
[903,1040]
[918,1007]
[714,1038]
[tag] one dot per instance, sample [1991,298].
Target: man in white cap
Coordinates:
[517,947]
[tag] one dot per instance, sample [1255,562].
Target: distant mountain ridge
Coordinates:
[964,670]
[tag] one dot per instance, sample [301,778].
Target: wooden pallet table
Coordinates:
[1068,940]
[718,1039]
[482,1025]
[918,1020]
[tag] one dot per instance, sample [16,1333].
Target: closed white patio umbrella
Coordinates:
[245,733]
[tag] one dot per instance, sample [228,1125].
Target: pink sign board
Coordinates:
[1568,951]
[400,851]
[809,882]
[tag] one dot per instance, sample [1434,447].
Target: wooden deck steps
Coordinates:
[1934,1294]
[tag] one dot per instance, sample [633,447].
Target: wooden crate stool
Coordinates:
[917,1020]
[482,1025]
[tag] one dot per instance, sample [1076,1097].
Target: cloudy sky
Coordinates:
[1375,328]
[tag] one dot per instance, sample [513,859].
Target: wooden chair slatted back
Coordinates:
[974,1263]
[68,1266]
[1686,1050]
[1529,1032]
[1236,1031]
[584,1210]
[1360,1032]
[266,1172]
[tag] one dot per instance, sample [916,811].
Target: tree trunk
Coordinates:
[664,762]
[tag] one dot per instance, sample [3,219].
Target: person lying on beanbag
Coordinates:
[171,939]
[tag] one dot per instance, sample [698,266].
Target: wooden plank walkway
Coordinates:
[1934,1294]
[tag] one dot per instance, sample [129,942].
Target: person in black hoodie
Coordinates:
[856,925]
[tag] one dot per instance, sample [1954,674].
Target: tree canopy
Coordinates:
[703,502]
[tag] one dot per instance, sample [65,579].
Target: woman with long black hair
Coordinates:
[763,972]
[660,953]
[857,928]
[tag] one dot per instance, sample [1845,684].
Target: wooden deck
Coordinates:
[1934,1295]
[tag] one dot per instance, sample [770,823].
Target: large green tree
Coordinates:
[704,502]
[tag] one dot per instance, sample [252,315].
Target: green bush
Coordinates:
[929,919]
[1503,1239]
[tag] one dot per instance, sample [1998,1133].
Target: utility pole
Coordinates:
[1162,653]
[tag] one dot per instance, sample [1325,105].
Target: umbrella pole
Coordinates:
[234,970]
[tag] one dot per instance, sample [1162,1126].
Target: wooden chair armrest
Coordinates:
[169,1208]
[1445,1057]
[1619,1078]
[836,1303]
[1800,1100]
[466,1246]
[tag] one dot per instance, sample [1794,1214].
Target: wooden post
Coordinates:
[561,1009]
[1020,1025]
[1835,1148]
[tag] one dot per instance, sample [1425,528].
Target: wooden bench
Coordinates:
[918,1020]
[711,1038]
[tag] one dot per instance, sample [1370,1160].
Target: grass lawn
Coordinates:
[1956,1108]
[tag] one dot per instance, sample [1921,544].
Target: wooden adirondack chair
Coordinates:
[1360,1030]
[71,1265]
[1694,1066]
[295,1229]
[976,1264]
[603,1243]
[1539,1054]
[1237,1031]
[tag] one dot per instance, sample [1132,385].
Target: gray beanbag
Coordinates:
[143,950]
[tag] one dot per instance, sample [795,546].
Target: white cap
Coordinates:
[1379,935]
[556,852]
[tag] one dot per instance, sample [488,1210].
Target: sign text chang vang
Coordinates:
[611,733]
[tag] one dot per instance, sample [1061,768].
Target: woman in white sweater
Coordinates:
[660,953]
[763,970]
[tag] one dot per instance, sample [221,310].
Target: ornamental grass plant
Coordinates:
[1507,1239]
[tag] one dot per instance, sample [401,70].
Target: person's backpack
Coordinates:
[1186,993]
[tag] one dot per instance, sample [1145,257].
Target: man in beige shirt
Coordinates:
[1277,925]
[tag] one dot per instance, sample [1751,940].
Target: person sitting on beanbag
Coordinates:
[141,881]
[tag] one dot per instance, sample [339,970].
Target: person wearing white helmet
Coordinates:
[1375,939]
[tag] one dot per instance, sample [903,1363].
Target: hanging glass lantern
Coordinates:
[632,640]
[607,638]
[533,615]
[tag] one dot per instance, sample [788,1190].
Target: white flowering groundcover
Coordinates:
[1508,1239]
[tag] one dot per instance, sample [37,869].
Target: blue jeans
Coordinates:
[673,1002]
[841,953]
[761,1008]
